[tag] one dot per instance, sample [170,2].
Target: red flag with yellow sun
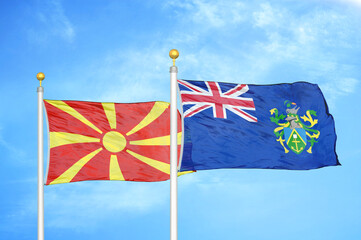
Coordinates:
[108,141]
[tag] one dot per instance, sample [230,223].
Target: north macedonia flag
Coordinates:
[109,141]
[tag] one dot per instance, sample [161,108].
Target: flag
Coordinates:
[108,141]
[280,126]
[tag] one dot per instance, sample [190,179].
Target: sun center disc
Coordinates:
[114,141]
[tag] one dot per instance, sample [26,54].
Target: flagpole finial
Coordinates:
[173,54]
[40,76]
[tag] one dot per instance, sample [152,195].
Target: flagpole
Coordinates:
[173,148]
[40,76]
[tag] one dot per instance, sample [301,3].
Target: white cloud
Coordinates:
[338,87]
[13,151]
[134,75]
[123,75]
[290,38]
[53,22]
[267,16]
[83,205]
[210,13]
[313,44]
[356,3]
[302,40]
[348,85]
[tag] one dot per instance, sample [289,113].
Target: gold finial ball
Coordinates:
[173,53]
[40,76]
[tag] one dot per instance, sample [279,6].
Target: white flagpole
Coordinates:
[40,76]
[173,148]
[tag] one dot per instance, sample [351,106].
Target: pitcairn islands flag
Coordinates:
[280,126]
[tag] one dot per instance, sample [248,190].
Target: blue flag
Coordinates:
[280,126]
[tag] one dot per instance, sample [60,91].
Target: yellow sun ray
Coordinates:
[109,109]
[114,170]
[71,111]
[158,141]
[161,166]
[63,138]
[70,173]
[157,110]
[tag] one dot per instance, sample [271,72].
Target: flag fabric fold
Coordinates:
[280,126]
[108,141]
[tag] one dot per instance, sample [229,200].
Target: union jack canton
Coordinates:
[212,96]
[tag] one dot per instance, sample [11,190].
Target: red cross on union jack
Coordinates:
[219,101]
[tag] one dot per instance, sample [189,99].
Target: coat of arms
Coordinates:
[291,130]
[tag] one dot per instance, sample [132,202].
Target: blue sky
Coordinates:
[118,51]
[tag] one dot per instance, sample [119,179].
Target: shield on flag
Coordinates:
[296,139]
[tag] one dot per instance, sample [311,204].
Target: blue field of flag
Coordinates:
[281,126]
